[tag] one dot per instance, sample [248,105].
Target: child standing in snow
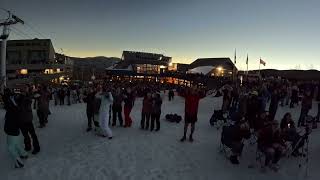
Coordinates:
[106,100]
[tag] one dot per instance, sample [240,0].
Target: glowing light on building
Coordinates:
[48,71]
[24,71]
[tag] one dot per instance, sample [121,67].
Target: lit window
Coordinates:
[24,71]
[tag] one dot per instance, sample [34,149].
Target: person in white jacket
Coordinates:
[106,100]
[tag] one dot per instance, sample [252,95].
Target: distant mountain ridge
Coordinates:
[99,62]
[97,58]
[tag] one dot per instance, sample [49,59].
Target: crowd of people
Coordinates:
[107,102]
[247,109]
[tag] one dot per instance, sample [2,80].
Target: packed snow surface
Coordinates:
[69,152]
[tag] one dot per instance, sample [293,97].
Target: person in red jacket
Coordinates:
[192,97]
[146,111]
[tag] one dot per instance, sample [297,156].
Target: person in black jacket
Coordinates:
[273,108]
[27,128]
[68,96]
[253,108]
[12,129]
[117,107]
[171,94]
[232,137]
[271,143]
[91,104]
[61,96]
[128,105]
[156,111]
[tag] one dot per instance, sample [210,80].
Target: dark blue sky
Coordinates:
[285,33]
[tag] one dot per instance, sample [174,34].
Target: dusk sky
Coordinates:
[284,33]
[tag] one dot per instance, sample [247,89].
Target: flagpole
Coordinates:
[259,66]
[247,65]
[234,67]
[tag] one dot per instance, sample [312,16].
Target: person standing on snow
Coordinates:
[26,117]
[43,106]
[91,103]
[192,98]
[117,107]
[273,108]
[156,111]
[171,94]
[294,96]
[146,111]
[306,105]
[69,96]
[128,105]
[12,129]
[106,100]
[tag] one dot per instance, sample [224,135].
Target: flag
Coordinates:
[262,62]
[247,59]
[235,56]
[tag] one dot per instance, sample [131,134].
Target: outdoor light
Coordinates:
[24,71]
[219,68]
[162,67]
[61,78]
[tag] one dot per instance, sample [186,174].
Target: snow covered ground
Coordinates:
[68,152]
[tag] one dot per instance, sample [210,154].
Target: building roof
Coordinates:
[226,63]
[25,40]
[201,70]
[131,57]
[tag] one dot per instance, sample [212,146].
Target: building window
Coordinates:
[148,68]
[19,44]
[14,57]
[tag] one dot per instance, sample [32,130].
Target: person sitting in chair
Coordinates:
[232,137]
[272,144]
[261,121]
[290,134]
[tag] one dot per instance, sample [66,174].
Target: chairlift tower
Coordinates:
[11,20]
